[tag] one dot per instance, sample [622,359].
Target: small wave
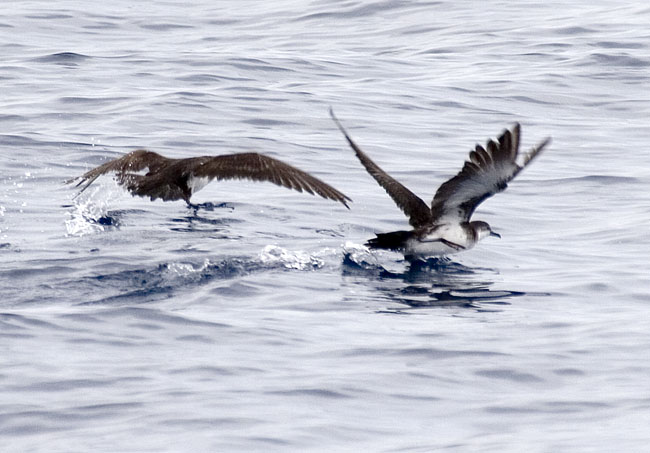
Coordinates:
[248,64]
[63,58]
[49,16]
[97,101]
[355,11]
[574,30]
[9,117]
[356,256]
[600,179]
[165,26]
[267,122]
[619,45]
[163,280]
[621,60]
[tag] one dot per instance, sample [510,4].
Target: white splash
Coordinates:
[86,212]
[185,269]
[272,254]
[356,250]
[360,254]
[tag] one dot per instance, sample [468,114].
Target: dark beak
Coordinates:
[492,233]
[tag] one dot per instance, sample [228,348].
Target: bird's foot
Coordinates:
[209,206]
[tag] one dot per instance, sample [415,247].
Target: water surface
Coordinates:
[262,324]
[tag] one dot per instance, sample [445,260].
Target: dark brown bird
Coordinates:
[445,227]
[178,179]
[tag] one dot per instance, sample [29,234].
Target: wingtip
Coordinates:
[333,115]
[343,131]
[80,180]
[336,120]
[516,129]
[543,144]
[536,151]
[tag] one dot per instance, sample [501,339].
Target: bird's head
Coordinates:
[483,230]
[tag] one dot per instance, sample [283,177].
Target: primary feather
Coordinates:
[176,179]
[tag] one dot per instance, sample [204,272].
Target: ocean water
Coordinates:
[261,323]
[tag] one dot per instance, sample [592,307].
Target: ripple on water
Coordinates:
[63,58]
[250,327]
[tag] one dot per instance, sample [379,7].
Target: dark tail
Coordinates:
[391,241]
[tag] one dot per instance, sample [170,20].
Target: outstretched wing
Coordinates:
[487,172]
[258,167]
[175,179]
[417,210]
[133,162]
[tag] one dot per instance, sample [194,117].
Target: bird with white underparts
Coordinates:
[445,228]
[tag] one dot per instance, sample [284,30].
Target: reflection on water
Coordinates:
[194,221]
[433,283]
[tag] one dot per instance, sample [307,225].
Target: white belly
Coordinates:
[455,240]
[196,184]
[427,249]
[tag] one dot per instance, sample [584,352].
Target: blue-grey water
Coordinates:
[263,324]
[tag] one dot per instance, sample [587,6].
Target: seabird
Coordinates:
[445,227]
[178,179]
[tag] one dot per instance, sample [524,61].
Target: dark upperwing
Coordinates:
[487,172]
[168,179]
[415,209]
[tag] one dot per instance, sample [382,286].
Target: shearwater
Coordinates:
[148,174]
[445,227]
